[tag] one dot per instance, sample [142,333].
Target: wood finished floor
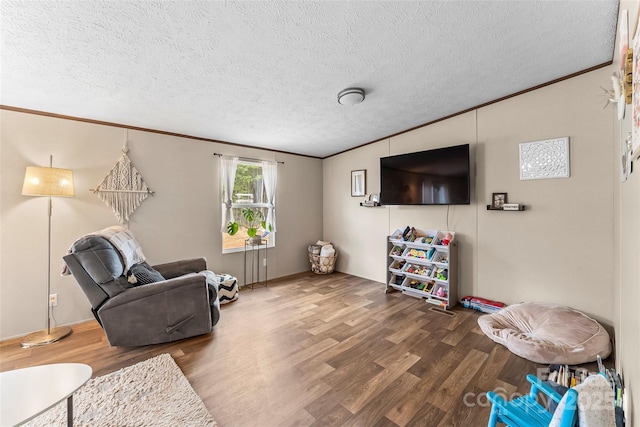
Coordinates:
[314,350]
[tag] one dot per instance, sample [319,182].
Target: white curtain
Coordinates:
[270,177]
[228,166]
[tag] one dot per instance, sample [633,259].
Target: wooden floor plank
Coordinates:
[378,383]
[321,350]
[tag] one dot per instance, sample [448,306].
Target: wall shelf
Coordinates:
[377,205]
[520,209]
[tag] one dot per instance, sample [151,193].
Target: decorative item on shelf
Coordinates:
[498,200]
[253,220]
[49,182]
[370,200]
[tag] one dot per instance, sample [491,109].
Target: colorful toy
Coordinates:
[416,253]
[447,238]
[441,292]
[441,258]
[398,264]
[397,250]
[482,304]
[442,274]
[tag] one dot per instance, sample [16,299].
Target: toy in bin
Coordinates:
[429,287]
[447,239]
[482,304]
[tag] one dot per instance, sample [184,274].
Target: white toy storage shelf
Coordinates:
[424,265]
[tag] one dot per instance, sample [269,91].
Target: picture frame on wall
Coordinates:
[625,157]
[623,37]
[358,183]
[635,97]
[498,200]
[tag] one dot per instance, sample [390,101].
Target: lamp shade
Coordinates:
[41,181]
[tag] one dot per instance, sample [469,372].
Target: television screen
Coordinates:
[432,177]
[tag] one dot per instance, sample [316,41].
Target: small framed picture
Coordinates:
[498,200]
[358,183]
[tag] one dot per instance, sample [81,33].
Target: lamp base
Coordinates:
[39,338]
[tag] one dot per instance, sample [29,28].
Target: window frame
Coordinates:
[262,205]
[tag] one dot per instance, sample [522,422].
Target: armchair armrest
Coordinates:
[159,312]
[178,268]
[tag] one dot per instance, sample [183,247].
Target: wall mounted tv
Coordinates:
[433,177]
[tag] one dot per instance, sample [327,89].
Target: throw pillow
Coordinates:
[143,274]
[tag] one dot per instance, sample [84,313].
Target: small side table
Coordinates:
[28,392]
[255,248]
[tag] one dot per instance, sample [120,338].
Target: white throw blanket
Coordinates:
[595,404]
[124,242]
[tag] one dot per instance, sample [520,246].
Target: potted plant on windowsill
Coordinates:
[253,219]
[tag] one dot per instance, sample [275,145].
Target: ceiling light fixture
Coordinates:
[351,96]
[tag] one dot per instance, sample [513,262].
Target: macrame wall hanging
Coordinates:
[123,189]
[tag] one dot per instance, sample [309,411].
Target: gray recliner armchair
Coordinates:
[183,303]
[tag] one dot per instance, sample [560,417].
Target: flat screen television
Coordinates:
[433,177]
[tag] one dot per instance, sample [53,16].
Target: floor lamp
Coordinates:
[49,182]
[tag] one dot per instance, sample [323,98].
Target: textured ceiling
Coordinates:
[267,74]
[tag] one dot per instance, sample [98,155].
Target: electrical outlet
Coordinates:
[53,300]
[264,262]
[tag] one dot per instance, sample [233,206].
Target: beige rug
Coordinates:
[150,393]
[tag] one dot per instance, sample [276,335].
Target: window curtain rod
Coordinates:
[250,159]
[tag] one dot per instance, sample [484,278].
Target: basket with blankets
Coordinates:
[322,256]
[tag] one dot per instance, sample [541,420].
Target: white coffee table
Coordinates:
[27,393]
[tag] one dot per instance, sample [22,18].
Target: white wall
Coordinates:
[626,265]
[181,221]
[561,248]
[546,253]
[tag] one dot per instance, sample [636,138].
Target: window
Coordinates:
[251,185]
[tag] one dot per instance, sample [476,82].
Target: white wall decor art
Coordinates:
[123,189]
[358,183]
[545,159]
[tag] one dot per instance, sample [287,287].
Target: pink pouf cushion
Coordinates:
[547,333]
